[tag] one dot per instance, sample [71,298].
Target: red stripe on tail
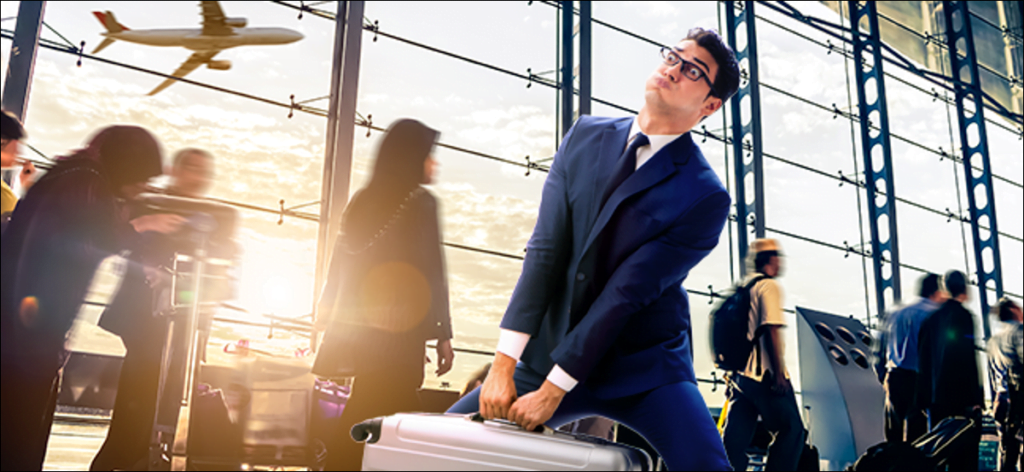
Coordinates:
[103,20]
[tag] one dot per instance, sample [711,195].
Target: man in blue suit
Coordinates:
[599,323]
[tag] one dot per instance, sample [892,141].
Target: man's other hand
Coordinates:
[499,390]
[445,357]
[535,409]
[782,386]
[27,177]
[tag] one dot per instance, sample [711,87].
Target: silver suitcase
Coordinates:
[466,443]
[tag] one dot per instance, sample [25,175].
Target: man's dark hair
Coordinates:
[930,285]
[1005,309]
[727,82]
[10,128]
[762,259]
[956,283]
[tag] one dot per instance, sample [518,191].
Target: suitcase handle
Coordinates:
[478,418]
[368,431]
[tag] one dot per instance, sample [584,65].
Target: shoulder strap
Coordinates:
[757,332]
[397,215]
[754,282]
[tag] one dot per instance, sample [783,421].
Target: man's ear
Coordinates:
[712,105]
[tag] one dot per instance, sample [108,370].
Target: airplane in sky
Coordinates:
[218,33]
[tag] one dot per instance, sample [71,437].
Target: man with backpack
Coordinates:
[761,387]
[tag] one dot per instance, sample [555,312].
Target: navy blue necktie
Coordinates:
[625,167]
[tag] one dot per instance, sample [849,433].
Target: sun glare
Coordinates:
[278,294]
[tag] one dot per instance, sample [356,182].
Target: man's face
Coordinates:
[192,176]
[670,92]
[780,268]
[9,154]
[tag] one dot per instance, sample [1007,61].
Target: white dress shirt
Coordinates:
[513,343]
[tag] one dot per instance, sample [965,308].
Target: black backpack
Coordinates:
[730,322]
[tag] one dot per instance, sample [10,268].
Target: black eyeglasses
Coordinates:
[689,69]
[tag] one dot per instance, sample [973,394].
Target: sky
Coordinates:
[263,156]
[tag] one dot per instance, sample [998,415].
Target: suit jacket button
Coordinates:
[581,277]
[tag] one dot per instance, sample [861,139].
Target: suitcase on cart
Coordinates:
[463,443]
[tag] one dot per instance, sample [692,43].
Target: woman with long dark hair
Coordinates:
[67,224]
[387,291]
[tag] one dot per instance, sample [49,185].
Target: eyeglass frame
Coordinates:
[665,51]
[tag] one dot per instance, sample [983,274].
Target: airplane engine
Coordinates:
[236,22]
[219,65]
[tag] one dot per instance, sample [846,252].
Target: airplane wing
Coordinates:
[213,20]
[192,63]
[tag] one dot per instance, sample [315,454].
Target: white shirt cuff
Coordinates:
[513,343]
[561,379]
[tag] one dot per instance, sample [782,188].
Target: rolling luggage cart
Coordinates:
[182,305]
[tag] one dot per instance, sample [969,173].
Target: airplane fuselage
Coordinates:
[195,40]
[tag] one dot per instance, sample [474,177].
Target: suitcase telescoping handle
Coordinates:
[478,418]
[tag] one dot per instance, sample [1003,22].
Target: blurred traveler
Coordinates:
[387,290]
[476,381]
[764,389]
[1004,367]
[902,415]
[949,381]
[67,224]
[11,134]
[599,323]
[130,316]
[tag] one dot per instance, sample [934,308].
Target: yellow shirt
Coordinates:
[9,200]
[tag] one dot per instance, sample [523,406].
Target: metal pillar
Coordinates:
[18,82]
[567,79]
[746,133]
[23,58]
[586,61]
[348,34]
[874,111]
[974,143]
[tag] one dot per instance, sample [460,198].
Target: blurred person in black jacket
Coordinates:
[949,381]
[11,135]
[387,290]
[1004,367]
[68,223]
[131,317]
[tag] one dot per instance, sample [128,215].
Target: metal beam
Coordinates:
[874,110]
[746,129]
[566,80]
[18,82]
[974,144]
[348,34]
[586,61]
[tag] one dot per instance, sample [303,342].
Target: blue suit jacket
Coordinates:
[630,333]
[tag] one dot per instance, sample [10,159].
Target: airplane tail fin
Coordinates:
[109,22]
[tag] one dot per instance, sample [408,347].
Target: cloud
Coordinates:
[659,9]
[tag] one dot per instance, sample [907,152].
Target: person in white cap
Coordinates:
[763,388]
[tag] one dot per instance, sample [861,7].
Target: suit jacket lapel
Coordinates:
[659,168]
[613,143]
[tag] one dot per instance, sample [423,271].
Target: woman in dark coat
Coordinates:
[387,291]
[70,221]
